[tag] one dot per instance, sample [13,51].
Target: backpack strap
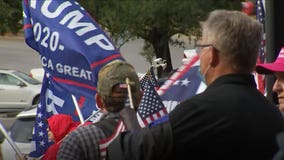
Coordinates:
[111,129]
[107,125]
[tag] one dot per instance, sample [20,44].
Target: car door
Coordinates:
[13,92]
[21,133]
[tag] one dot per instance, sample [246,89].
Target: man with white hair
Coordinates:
[231,119]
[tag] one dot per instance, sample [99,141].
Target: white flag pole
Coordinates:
[11,142]
[96,114]
[129,92]
[78,110]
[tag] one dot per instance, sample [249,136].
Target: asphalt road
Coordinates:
[16,54]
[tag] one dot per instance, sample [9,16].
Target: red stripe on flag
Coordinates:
[74,83]
[27,26]
[180,73]
[97,63]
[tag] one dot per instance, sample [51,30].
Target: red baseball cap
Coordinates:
[276,66]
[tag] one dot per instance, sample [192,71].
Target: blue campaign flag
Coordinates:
[54,100]
[72,45]
[73,48]
[183,84]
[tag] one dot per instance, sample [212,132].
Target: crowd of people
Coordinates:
[231,119]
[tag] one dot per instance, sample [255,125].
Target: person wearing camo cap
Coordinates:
[90,142]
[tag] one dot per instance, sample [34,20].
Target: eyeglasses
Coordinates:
[198,47]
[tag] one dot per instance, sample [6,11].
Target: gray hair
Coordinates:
[236,36]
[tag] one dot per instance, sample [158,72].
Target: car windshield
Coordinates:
[27,78]
[21,130]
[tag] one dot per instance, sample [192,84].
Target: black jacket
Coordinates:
[231,119]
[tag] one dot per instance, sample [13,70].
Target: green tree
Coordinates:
[155,21]
[10,16]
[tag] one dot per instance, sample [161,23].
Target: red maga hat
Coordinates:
[276,66]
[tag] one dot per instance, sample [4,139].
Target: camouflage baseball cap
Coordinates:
[115,73]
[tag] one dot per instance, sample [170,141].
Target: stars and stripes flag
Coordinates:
[149,77]
[151,107]
[73,48]
[183,84]
[260,16]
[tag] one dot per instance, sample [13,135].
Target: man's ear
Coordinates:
[99,101]
[215,58]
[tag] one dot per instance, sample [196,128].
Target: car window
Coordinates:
[13,80]
[8,79]
[21,130]
[26,77]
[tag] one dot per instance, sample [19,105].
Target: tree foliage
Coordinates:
[155,21]
[10,16]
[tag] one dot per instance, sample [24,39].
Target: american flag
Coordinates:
[151,107]
[144,80]
[183,84]
[149,77]
[40,135]
[260,16]
[153,77]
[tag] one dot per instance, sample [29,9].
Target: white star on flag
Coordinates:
[185,82]
[41,134]
[39,115]
[42,143]
[151,107]
[40,124]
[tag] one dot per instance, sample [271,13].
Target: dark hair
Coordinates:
[115,104]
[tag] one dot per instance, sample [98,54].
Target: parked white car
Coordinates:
[17,90]
[21,134]
[37,73]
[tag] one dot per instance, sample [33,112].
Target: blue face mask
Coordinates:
[201,76]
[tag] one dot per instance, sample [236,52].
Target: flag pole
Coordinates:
[14,146]
[129,93]
[97,114]
[78,109]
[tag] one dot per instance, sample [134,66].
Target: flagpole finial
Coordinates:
[129,92]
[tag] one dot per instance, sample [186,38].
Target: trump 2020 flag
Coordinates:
[72,45]
[73,48]
[183,84]
[151,107]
